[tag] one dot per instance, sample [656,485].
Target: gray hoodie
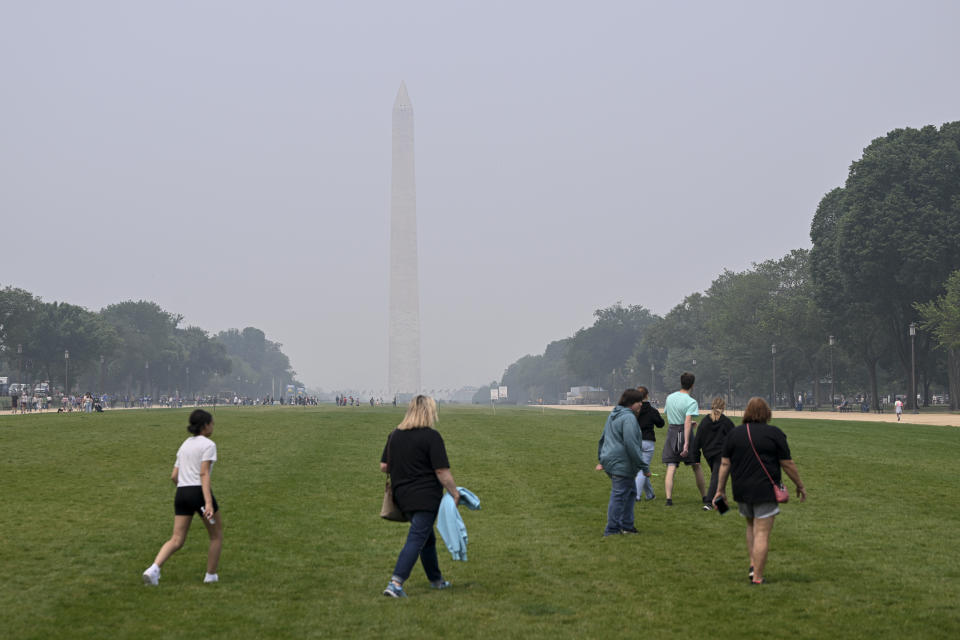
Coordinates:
[620,449]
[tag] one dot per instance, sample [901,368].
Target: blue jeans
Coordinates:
[620,510]
[421,542]
[644,488]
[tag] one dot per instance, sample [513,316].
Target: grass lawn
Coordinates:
[87,502]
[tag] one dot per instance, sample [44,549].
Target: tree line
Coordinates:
[132,348]
[873,305]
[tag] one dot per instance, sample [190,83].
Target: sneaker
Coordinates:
[708,507]
[669,502]
[653,497]
[631,530]
[394,590]
[211,577]
[750,575]
[440,584]
[151,578]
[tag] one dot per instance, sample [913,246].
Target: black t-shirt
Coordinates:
[750,483]
[415,455]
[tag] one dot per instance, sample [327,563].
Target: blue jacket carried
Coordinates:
[620,450]
[450,524]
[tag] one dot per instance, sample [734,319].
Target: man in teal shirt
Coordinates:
[681,408]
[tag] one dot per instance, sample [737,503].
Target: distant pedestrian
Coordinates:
[898,407]
[191,474]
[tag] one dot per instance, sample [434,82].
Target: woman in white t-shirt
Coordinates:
[191,473]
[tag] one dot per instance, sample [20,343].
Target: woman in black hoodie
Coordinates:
[648,418]
[711,435]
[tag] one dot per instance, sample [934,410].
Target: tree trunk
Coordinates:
[872,372]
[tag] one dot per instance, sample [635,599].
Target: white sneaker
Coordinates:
[211,577]
[151,578]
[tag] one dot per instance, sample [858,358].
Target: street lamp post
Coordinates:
[913,368]
[188,383]
[733,405]
[652,368]
[146,368]
[20,369]
[101,375]
[833,341]
[773,351]
[66,371]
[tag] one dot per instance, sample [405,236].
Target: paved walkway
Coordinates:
[939,418]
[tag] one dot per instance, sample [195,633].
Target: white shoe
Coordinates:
[151,578]
[211,577]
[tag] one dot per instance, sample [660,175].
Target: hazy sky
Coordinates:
[231,160]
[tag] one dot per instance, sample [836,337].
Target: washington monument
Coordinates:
[404,369]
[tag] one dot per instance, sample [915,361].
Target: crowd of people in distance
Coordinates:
[350,401]
[752,455]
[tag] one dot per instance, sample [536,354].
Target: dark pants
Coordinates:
[421,542]
[623,493]
[714,477]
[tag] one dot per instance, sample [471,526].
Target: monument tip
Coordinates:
[403,100]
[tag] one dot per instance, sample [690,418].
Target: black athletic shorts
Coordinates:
[189,500]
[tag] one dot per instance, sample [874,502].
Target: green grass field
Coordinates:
[87,502]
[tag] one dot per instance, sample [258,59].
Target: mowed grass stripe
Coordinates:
[87,502]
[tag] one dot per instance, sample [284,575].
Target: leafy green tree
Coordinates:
[146,335]
[942,318]
[259,365]
[594,353]
[544,376]
[888,239]
[60,327]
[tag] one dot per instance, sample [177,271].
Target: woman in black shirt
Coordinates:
[416,459]
[752,489]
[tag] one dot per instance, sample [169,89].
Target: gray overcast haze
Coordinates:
[231,160]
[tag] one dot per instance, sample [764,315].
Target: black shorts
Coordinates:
[189,500]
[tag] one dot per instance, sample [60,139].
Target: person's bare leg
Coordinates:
[701,485]
[181,525]
[761,545]
[668,480]
[216,542]
[750,540]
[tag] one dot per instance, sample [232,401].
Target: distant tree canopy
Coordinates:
[132,348]
[884,248]
[886,241]
[258,365]
[942,318]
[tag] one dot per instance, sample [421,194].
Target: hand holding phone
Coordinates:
[721,505]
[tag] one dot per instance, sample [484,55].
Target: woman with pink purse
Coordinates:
[753,455]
